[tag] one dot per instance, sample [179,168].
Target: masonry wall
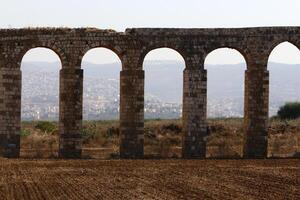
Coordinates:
[255,44]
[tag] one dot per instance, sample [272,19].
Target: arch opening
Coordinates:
[283,63]
[40,103]
[225,102]
[163,103]
[101,103]
[284,83]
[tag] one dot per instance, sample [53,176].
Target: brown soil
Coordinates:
[149,179]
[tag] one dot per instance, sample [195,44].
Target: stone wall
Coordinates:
[255,44]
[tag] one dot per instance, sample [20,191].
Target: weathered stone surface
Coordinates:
[255,44]
[70,112]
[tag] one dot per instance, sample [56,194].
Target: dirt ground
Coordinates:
[150,179]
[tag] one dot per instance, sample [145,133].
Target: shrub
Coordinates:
[88,131]
[290,110]
[46,127]
[164,148]
[111,132]
[25,132]
[172,127]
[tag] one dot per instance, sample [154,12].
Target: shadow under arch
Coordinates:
[164,82]
[101,103]
[225,104]
[40,104]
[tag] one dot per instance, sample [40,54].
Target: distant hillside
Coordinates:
[163,84]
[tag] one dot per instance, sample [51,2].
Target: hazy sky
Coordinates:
[119,15]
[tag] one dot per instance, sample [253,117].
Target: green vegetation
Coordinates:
[25,132]
[45,126]
[100,133]
[291,110]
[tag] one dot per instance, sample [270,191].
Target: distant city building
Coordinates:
[40,92]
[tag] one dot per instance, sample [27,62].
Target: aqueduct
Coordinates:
[255,44]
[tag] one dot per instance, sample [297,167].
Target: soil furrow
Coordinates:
[149,179]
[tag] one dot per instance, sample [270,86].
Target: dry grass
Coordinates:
[225,139]
[36,143]
[284,138]
[163,139]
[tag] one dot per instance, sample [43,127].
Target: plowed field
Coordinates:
[149,179]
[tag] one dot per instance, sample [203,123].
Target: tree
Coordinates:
[291,110]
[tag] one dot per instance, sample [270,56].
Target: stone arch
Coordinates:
[269,47]
[47,87]
[58,51]
[100,47]
[114,49]
[282,91]
[217,107]
[54,88]
[172,51]
[90,105]
[226,48]
[276,44]
[278,75]
[231,51]
[148,50]
[44,48]
[118,64]
[172,99]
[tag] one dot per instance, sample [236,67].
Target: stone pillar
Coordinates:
[10,112]
[256,113]
[70,113]
[132,113]
[194,113]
